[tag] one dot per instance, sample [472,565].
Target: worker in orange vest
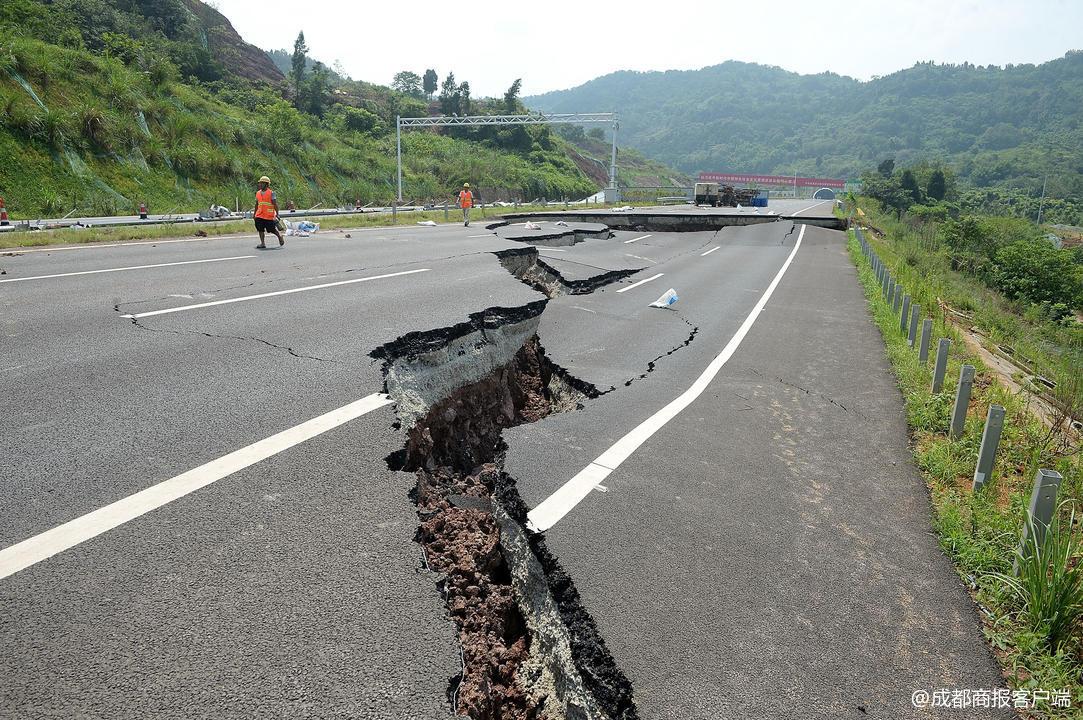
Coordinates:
[466,201]
[266,213]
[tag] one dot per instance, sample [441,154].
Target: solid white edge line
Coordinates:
[121,269]
[63,537]
[135,316]
[636,239]
[635,285]
[560,503]
[716,247]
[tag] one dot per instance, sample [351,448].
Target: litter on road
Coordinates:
[666,300]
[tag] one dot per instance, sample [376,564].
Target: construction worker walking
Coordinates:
[266,213]
[466,201]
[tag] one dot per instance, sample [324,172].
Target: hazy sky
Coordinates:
[559,44]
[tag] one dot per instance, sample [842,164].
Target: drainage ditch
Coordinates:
[530,649]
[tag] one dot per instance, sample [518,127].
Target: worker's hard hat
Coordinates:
[466,185]
[265,179]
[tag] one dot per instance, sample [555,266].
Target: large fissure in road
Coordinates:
[530,649]
[527,265]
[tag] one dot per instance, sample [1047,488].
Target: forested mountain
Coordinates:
[997,127]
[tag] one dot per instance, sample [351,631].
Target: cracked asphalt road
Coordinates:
[745,553]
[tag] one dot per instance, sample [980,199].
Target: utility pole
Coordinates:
[613,160]
[1041,203]
[398,150]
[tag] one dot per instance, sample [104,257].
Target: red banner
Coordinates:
[744,179]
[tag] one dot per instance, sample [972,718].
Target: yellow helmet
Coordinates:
[265,179]
[466,185]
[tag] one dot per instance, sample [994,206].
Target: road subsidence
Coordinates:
[530,648]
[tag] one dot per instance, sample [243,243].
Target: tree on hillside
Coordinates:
[407,83]
[886,168]
[464,98]
[297,64]
[511,97]
[888,191]
[429,83]
[1036,271]
[314,98]
[938,186]
[449,95]
[909,185]
[166,16]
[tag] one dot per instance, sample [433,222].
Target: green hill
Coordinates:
[106,103]
[1002,128]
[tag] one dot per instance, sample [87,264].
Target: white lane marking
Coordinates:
[716,247]
[636,239]
[485,235]
[270,294]
[44,545]
[810,207]
[566,497]
[95,246]
[131,267]
[635,285]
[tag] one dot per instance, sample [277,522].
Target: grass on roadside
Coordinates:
[980,531]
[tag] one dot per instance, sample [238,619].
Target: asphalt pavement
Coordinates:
[765,553]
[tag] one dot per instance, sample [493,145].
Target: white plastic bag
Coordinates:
[426,223]
[666,300]
[531,226]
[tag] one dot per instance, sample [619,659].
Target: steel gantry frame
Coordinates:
[534,119]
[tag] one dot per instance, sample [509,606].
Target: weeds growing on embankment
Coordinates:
[1037,344]
[980,531]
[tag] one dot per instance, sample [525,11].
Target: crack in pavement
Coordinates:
[268,343]
[815,393]
[653,364]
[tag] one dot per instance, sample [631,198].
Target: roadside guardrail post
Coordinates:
[891,289]
[962,402]
[394,211]
[941,366]
[904,316]
[446,218]
[926,336]
[990,439]
[915,315]
[896,302]
[1043,503]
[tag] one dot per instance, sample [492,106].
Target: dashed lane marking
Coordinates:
[122,269]
[641,282]
[63,537]
[196,306]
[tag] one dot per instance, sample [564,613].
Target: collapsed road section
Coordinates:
[528,266]
[530,649]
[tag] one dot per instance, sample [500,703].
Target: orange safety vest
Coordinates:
[466,199]
[265,208]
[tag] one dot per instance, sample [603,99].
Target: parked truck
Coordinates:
[715,195]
